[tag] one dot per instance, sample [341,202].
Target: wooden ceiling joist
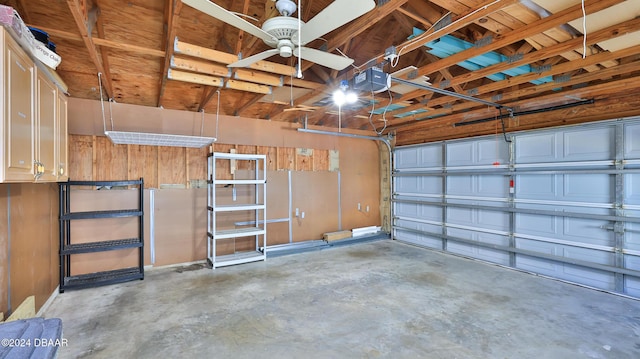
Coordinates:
[610,32]
[118,45]
[226,58]
[171,13]
[191,77]
[531,91]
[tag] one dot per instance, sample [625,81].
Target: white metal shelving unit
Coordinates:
[256,209]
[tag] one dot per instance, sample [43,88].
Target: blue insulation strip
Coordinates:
[448,45]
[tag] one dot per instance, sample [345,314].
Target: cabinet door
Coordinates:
[46,125]
[19,130]
[63,143]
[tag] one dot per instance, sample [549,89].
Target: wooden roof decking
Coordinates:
[133,45]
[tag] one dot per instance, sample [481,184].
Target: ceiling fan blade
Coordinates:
[254,58]
[323,58]
[332,17]
[222,14]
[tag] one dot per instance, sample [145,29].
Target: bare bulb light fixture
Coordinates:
[341,97]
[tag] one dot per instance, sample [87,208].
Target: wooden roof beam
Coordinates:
[103,51]
[172,9]
[535,90]
[541,25]
[546,53]
[226,58]
[422,128]
[557,19]
[102,42]
[81,21]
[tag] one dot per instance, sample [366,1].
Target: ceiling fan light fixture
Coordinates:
[286,51]
[286,7]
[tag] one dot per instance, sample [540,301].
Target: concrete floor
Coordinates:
[379,299]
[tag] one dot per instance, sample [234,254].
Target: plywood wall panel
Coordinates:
[80,158]
[321,160]
[197,163]
[110,160]
[271,156]
[304,159]
[223,168]
[143,162]
[171,165]
[286,158]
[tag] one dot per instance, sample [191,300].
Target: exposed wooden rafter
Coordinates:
[171,13]
[81,20]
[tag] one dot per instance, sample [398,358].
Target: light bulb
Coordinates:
[351,97]
[339,97]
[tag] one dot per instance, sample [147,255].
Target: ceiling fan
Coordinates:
[287,35]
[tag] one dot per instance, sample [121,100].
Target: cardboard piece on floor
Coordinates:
[27,309]
[334,236]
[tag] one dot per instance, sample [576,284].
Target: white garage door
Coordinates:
[563,202]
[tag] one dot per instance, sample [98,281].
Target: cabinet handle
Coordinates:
[21,114]
[20,66]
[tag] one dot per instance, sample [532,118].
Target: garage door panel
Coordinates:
[632,262]
[589,145]
[587,276]
[632,286]
[406,158]
[536,224]
[536,148]
[407,184]
[478,251]
[461,247]
[493,186]
[407,210]
[492,150]
[464,216]
[632,141]
[433,213]
[460,186]
[430,156]
[460,154]
[632,236]
[588,255]
[493,220]
[538,187]
[418,238]
[588,231]
[431,185]
[632,189]
[587,188]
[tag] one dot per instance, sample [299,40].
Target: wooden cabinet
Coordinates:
[47,129]
[19,118]
[62,173]
[34,114]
